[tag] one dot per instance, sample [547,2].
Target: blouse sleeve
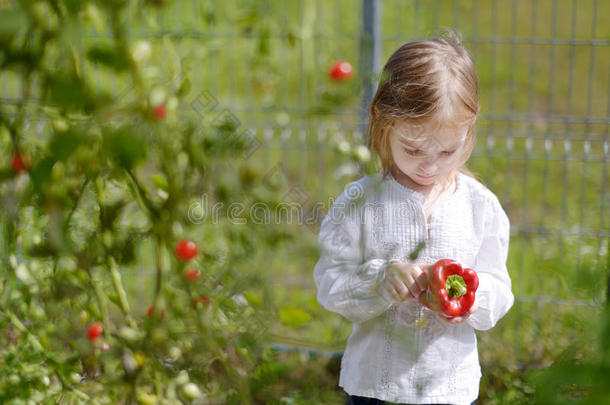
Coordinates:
[494,294]
[345,283]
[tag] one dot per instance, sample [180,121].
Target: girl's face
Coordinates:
[429,153]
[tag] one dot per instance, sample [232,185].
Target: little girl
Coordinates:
[383,233]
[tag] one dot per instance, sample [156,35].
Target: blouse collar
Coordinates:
[416,194]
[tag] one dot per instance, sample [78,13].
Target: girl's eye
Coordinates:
[412,152]
[448,152]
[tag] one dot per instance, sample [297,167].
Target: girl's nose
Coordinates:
[428,164]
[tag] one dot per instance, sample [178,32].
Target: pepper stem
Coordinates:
[455,285]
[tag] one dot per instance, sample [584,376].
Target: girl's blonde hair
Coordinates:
[424,81]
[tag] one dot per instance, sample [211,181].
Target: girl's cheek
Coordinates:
[451,160]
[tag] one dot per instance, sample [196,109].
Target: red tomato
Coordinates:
[95,331]
[17,164]
[192,275]
[150,311]
[341,71]
[159,112]
[186,250]
[204,299]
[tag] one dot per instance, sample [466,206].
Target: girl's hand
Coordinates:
[460,319]
[405,281]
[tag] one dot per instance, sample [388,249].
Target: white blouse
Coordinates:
[402,352]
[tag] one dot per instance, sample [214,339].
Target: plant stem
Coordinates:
[455,286]
[159,257]
[140,196]
[76,202]
[120,290]
[101,298]
[241,382]
[31,338]
[158,383]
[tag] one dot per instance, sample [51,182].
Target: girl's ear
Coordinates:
[375,110]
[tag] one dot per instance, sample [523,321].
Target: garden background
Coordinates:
[141,123]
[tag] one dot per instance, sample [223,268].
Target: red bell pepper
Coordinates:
[451,289]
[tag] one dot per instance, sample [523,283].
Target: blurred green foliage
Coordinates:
[107,176]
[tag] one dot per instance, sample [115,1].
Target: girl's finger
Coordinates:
[404,286]
[401,289]
[412,284]
[421,278]
[414,290]
[392,290]
[456,319]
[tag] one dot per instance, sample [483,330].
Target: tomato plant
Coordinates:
[107,185]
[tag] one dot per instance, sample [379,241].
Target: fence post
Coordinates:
[370,51]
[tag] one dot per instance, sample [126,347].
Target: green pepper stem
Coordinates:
[455,285]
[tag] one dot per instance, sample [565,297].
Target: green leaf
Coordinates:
[207,14]
[68,91]
[293,316]
[125,147]
[6,173]
[124,249]
[291,38]
[63,144]
[253,299]
[109,214]
[263,42]
[160,182]
[114,4]
[41,172]
[108,56]
[73,6]
[12,20]
[14,59]
[185,87]
[42,250]
[112,297]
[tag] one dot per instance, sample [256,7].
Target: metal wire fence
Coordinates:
[542,136]
[543,129]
